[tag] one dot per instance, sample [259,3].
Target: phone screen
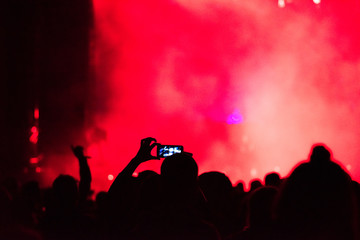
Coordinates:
[168,150]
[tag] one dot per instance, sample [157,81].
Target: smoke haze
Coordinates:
[246,86]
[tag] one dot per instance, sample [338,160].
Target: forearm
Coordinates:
[85,178]
[125,174]
[143,155]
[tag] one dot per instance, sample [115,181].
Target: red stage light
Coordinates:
[34,160]
[36,113]
[34,135]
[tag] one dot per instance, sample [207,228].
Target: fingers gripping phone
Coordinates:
[164,151]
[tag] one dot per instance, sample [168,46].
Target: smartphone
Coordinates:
[168,150]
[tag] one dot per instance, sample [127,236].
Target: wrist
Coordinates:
[81,158]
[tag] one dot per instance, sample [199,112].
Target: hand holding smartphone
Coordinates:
[164,151]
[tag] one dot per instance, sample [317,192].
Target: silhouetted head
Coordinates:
[215,185]
[101,201]
[179,175]
[317,200]
[255,184]
[320,154]
[65,190]
[100,198]
[240,187]
[180,170]
[272,179]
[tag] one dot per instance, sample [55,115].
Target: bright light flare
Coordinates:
[281,3]
[317,1]
[253,172]
[110,177]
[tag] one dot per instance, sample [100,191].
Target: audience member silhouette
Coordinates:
[122,195]
[220,196]
[272,179]
[65,218]
[179,216]
[317,201]
[255,184]
[150,192]
[240,206]
[240,187]
[260,219]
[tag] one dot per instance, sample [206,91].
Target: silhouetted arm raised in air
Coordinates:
[85,174]
[143,155]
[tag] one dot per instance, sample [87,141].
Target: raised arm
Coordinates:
[85,174]
[143,155]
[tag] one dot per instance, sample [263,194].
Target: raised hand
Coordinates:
[85,173]
[143,155]
[146,146]
[78,151]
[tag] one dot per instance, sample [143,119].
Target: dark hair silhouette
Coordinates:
[316,201]
[65,191]
[272,179]
[66,210]
[320,154]
[180,171]
[180,214]
[240,187]
[254,184]
[220,196]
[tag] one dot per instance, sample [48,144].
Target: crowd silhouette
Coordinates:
[318,200]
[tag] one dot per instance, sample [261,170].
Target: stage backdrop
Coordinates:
[246,86]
